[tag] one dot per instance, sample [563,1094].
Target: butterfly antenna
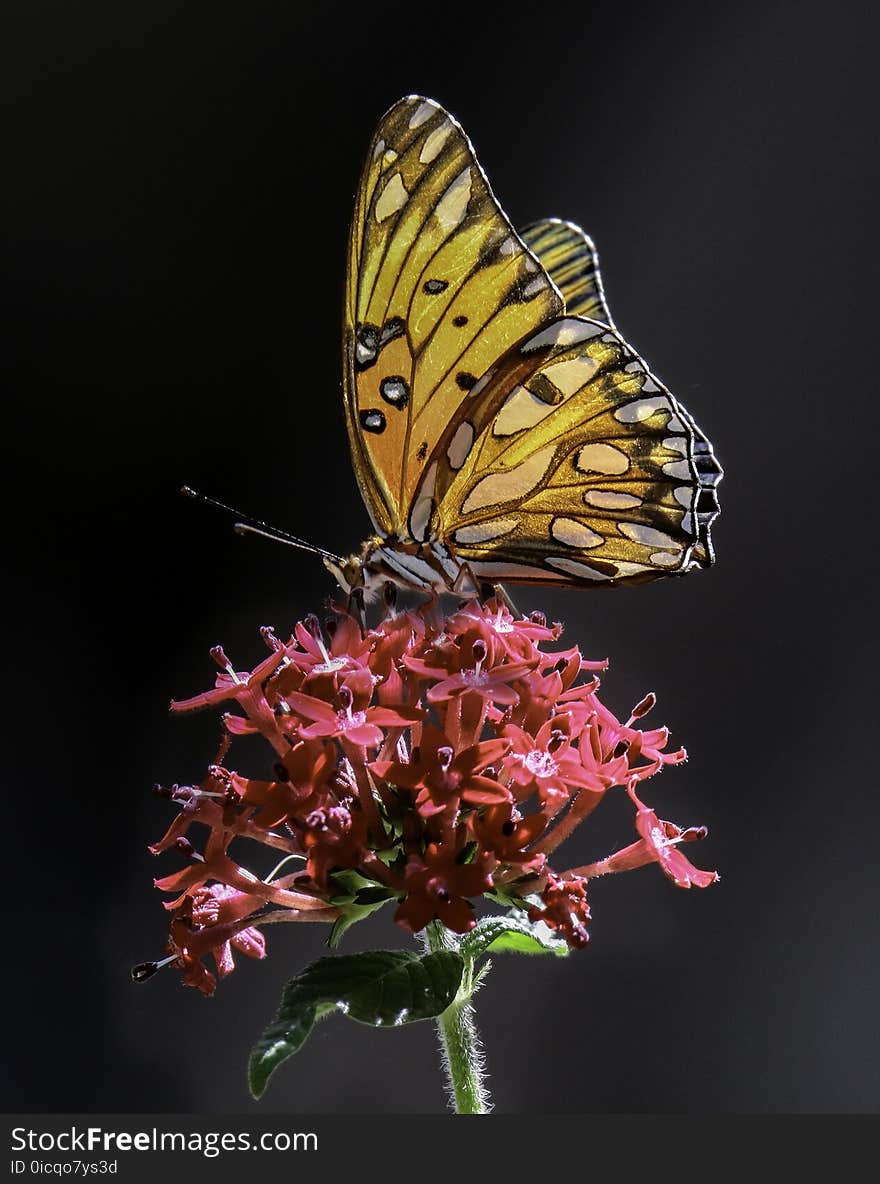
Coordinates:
[245,524]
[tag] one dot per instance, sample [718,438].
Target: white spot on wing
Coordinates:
[422,114]
[434,143]
[665,558]
[563,333]
[569,376]
[511,485]
[648,535]
[607,499]
[460,445]
[602,458]
[641,409]
[521,409]
[393,197]
[484,531]
[511,571]
[679,469]
[573,568]
[420,516]
[572,533]
[533,287]
[676,444]
[452,205]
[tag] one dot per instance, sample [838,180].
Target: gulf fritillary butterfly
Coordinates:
[500,427]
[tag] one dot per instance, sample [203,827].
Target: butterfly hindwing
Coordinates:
[583,468]
[440,288]
[569,257]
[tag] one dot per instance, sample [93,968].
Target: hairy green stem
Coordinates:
[459,1041]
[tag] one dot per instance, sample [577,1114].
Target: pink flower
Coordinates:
[503,831]
[659,843]
[352,718]
[436,886]
[441,779]
[469,672]
[565,909]
[546,764]
[439,757]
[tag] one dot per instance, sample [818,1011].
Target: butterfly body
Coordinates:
[500,426]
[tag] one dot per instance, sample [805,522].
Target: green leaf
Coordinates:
[354,911]
[347,884]
[511,934]
[509,899]
[384,988]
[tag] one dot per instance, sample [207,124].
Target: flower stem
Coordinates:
[459,1042]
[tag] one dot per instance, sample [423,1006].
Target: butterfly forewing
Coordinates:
[440,288]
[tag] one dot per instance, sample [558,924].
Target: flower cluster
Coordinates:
[427,761]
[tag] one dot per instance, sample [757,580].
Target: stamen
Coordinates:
[223,662]
[642,708]
[280,864]
[145,970]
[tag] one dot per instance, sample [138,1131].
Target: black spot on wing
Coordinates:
[373,421]
[394,390]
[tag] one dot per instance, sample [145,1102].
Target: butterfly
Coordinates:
[501,429]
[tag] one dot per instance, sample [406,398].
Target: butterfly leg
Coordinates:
[501,593]
[356,608]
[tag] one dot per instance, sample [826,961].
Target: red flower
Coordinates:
[352,719]
[659,844]
[301,778]
[565,909]
[221,904]
[438,757]
[436,886]
[545,764]
[503,634]
[333,836]
[441,779]
[504,832]
[469,672]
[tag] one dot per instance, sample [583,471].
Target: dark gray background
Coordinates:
[178,185]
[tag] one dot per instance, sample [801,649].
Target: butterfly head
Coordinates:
[364,570]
